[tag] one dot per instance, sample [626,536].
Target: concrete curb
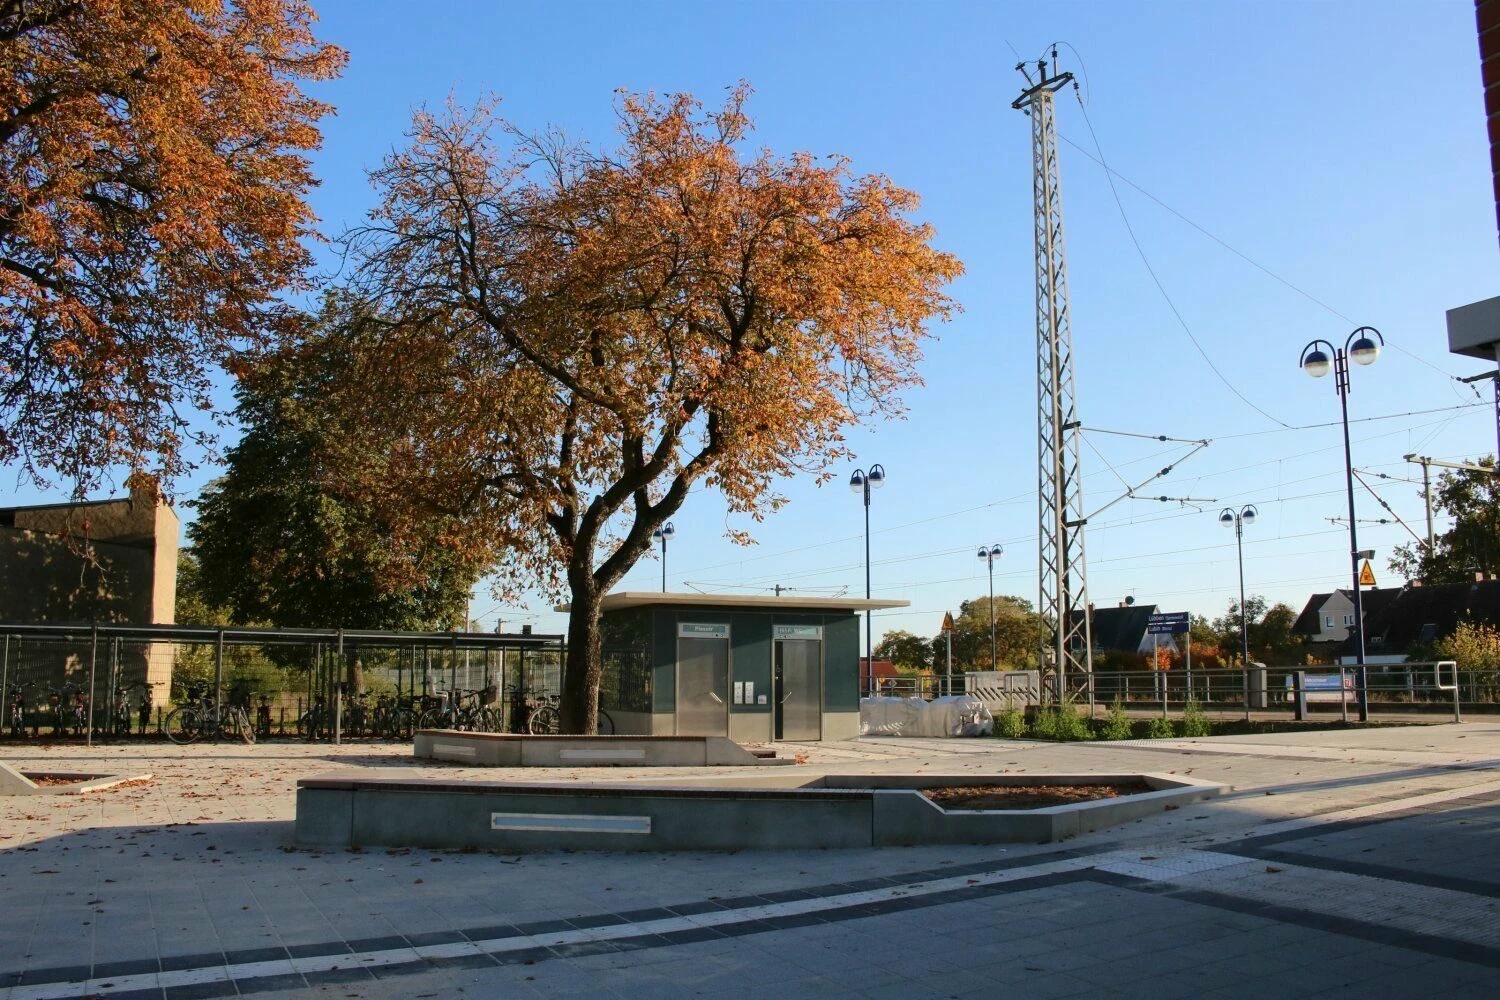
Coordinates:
[337,811]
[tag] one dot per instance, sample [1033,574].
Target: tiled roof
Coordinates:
[1392,624]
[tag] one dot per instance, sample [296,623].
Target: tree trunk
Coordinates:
[579,709]
[354,671]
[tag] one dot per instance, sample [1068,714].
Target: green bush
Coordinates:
[1010,724]
[1161,729]
[1059,724]
[1115,725]
[1194,722]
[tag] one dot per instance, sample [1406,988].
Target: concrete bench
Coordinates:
[512,750]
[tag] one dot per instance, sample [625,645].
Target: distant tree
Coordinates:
[154,156]
[1202,631]
[1019,632]
[1472,544]
[908,652]
[283,537]
[1268,629]
[1473,646]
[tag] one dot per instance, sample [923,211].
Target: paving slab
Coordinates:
[1383,839]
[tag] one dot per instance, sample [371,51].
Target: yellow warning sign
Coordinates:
[1366,575]
[947,621]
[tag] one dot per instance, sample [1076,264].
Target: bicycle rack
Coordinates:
[1437,678]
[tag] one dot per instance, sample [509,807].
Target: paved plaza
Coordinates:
[1344,863]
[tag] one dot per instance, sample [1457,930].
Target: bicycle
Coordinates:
[263,717]
[15,711]
[313,723]
[543,718]
[201,717]
[118,723]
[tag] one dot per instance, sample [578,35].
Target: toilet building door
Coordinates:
[702,679]
[799,682]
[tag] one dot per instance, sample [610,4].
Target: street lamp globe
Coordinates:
[1249,514]
[984,553]
[1316,363]
[877,476]
[1226,517]
[1364,351]
[857,481]
[665,531]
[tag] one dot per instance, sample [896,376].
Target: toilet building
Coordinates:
[752,668]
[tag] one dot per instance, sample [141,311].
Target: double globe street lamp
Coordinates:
[1237,519]
[865,482]
[989,555]
[1362,347]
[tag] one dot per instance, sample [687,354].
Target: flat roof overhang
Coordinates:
[652,598]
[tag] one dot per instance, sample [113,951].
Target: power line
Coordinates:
[1113,173]
[1141,252]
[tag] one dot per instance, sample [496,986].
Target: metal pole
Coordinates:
[994,659]
[1427,499]
[93,663]
[1360,678]
[948,635]
[338,695]
[663,564]
[5,676]
[1343,698]
[219,673]
[1189,643]
[1239,545]
[869,622]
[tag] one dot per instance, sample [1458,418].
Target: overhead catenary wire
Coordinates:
[1162,288]
[1112,172]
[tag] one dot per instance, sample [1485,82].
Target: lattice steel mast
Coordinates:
[1063,583]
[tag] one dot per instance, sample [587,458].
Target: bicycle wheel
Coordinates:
[606,725]
[543,721]
[432,719]
[183,725]
[242,723]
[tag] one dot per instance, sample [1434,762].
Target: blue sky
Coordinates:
[1339,145]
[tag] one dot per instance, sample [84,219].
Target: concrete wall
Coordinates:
[114,561]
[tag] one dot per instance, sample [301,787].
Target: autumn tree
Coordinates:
[1472,543]
[153,168]
[572,338]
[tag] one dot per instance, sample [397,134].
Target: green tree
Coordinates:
[282,538]
[1019,633]
[908,652]
[1472,544]
[1473,646]
[1202,631]
[246,668]
[1268,630]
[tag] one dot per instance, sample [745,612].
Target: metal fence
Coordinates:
[112,681]
[1425,687]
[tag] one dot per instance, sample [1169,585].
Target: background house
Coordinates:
[1420,615]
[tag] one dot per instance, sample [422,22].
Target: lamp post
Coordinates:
[862,482]
[989,555]
[1237,519]
[1363,347]
[661,534]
